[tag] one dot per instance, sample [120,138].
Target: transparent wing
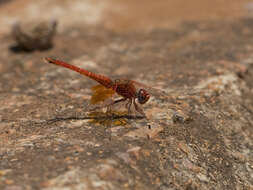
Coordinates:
[168,93]
[151,90]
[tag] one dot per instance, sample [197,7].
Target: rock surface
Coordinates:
[199,134]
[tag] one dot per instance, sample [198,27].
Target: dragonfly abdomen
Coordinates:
[103,80]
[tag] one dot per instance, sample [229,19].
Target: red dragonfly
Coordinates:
[130,91]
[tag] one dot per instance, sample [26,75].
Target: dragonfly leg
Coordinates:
[139,109]
[109,109]
[128,106]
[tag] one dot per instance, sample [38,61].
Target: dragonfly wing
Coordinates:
[151,90]
[171,92]
[104,98]
[100,94]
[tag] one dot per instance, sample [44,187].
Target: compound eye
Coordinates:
[143,96]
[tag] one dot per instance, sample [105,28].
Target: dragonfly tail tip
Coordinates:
[48,60]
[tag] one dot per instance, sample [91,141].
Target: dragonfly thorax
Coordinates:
[142,96]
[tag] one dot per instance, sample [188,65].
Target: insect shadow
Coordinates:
[95,118]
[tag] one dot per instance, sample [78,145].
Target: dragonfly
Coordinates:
[132,92]
[135,94]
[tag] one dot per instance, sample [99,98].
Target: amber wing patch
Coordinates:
[100,94]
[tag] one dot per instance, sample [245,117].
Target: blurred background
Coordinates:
[121,15]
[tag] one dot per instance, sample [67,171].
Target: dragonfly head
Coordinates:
[143,96]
